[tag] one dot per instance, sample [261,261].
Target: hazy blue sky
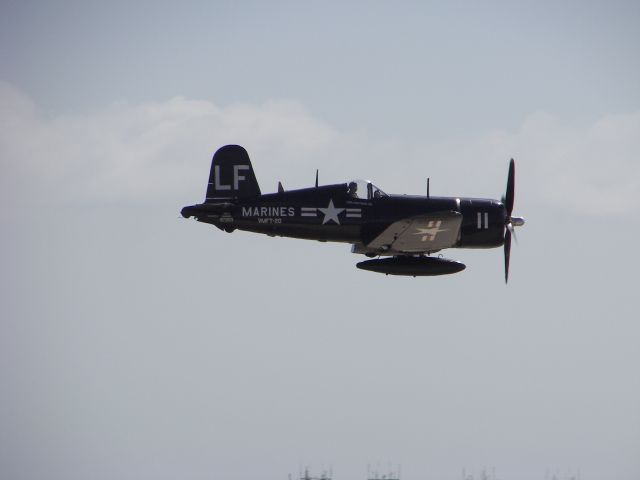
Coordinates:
[134,344]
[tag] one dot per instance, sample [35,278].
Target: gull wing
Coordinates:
[422,233]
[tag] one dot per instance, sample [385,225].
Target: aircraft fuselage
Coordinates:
[329,213]
[403,227]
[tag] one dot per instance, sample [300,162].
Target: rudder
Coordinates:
[231,175]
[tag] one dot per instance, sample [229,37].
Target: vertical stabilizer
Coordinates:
[231,175]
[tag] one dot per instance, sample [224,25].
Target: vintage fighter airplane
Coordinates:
[406,229]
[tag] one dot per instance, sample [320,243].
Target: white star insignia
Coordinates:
[331,213]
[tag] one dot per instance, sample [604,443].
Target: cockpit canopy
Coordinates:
[364,189]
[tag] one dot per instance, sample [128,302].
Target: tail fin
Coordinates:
[231,175]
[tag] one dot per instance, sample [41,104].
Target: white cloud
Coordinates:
[593,169]
[156,150]
[140,152]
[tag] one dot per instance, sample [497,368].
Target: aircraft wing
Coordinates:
[423,233]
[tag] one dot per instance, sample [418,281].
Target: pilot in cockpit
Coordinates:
[353,190]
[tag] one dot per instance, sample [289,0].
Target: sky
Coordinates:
[136,344]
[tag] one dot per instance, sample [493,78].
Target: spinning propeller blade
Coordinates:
[508,200]
[511,188]
[507,254]
[512,229]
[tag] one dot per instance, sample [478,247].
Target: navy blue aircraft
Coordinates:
[405,229]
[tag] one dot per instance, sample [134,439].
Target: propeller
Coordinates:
[510,222]
[507,253]
[511,188]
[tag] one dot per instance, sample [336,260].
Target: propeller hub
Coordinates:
[517,221]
